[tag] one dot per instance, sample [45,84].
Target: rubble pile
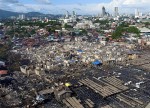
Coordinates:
[22,92]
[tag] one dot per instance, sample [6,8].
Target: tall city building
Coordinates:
[67,14]
[22,16]
[116,13]
[137,13]
[73,14]
[103,11]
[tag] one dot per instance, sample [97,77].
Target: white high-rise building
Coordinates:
[22,16]
[103,11]
[141,14]
[137,13]
[116,13]
[67,14]
[73,14]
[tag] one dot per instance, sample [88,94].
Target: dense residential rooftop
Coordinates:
[75,62]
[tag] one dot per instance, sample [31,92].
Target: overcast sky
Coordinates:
[80,6]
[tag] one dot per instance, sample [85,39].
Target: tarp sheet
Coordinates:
[97,62]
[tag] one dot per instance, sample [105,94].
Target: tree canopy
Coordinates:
[124,28]
[102,22]
[133,29]
[67,26]
[83,32]
[118,33]
[4,52]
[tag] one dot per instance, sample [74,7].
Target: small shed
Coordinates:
[132,55]
[2,63]
[63,93]
[3,70]
[80,50]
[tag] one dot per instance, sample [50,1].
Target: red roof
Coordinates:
[2,72]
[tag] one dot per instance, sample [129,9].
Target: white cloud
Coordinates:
[134,2]
[43,1]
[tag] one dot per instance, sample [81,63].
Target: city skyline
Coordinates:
[81,7]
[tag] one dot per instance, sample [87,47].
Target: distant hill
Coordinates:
[33,14]
[8,14]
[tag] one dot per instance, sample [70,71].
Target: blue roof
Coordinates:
[80,50]
[96,62]
[1,32]
[72,61]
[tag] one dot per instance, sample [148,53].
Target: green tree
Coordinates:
[123,27]
[83,32]
[118,32]
[124,24]
[4,52]
[102,22]
[67,26]
[147,24]
[32,32]
[51,30]
[133,29]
